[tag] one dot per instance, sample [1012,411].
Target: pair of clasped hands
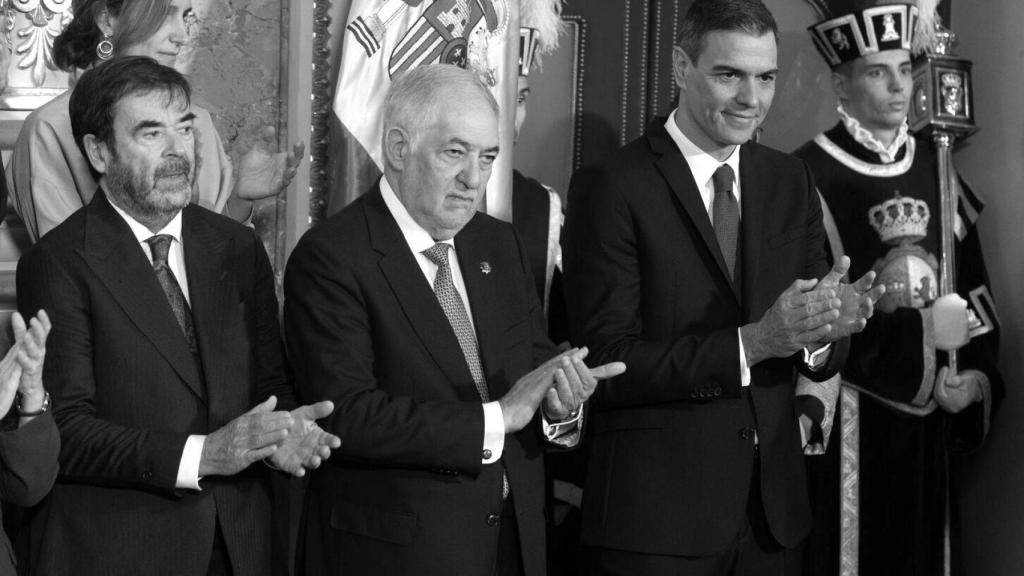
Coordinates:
[812,313]
[292,441]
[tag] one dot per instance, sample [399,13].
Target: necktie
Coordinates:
[159,245]
[726,213]
[451,303]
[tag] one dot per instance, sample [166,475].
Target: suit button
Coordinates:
[746,433]
[147,475]
[487,454]
[493,520]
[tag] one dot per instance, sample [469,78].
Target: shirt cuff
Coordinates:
[744,369]
[188,469]
[494,432]
[566,433]
[815,360]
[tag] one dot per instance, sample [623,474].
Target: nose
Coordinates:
[895,83]
[747,94]
[179,32]
[471,176]
[175,145]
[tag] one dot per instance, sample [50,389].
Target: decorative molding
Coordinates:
[624,104]
[30,27]
[578,72]
[322,111]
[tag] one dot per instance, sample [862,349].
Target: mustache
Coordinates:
[173,167]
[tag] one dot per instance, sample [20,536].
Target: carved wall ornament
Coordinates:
[30,27]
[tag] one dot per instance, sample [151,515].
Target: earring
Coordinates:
[105,49]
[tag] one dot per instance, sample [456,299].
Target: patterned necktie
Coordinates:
[159,245]
[726,213]
[455,310]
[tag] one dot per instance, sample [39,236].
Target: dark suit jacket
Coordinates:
[127,393]
[28,467]
[673,450]
[407,493]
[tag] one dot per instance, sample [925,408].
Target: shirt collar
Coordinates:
[415,235]
[142,234]
[702,164]
[866,139]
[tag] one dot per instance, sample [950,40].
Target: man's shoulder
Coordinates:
[343,237]
[64,237]
[768,158]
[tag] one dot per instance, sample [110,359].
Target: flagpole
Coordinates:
[499,189]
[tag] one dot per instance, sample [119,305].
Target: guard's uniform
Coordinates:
[880,502]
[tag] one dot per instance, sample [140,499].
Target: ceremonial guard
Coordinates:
[881,493]
[536,207]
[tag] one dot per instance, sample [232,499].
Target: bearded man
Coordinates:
[165,360]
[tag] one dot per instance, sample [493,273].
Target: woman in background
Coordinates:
[29,451]
[48,175]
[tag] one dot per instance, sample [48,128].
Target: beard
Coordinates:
[150,199]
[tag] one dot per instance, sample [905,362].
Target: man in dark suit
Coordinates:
[431,357]
[705,286]
[165,336]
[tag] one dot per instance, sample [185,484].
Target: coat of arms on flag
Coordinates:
[386,37]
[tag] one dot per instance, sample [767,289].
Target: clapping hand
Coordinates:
[21,370]
[857,300]
[261,173]
[306,445]
[575,383]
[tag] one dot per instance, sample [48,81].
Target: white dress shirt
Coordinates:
[419,240]
[188,467]
[703,167]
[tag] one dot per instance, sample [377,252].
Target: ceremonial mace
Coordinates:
[942,108]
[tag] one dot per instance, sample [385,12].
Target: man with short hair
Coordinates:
[901,413]
[165,361]
[418,316]
[693,258]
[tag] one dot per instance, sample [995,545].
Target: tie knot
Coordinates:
[160,245]
[438,254]
[723,178]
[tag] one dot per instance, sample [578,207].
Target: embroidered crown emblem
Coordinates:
[901,218]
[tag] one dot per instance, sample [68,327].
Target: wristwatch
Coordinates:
[43,408]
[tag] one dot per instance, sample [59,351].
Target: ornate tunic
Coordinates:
[880,492]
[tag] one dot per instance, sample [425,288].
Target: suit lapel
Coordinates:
[416,296]
[213,299]
[485,295]
[754,194]
[676,171]
[112,252]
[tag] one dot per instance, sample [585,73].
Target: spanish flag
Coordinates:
[383,38]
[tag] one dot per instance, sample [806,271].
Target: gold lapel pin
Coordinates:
[485,267]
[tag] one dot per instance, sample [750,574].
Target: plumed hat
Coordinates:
[852,29]
[540,24]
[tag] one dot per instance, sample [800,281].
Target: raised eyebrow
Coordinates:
[187,118]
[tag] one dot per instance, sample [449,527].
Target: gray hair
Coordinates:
[415,96]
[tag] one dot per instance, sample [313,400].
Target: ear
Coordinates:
[397,146]
[97,152]
[105,22]
[839,86]
[681,66]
